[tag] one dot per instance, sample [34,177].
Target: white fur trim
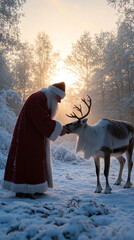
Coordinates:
[57,130]
[49,165]
[57,91]
[54,135]
[25,188]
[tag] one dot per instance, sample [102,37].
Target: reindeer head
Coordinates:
[76,126]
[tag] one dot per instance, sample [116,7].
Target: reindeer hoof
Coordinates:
[118,182]
[98,189]
[108,190]
[128,185]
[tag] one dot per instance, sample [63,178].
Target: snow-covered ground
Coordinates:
[71,210]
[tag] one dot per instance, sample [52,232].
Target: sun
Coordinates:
[63,75]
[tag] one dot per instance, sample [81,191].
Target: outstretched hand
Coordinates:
[63,132]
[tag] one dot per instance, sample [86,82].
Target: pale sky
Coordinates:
[66,20]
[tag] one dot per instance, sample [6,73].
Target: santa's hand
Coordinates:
[63,132]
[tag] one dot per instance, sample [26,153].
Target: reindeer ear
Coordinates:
[84,122]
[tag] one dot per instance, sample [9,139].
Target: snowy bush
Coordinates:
[9,103]
[65,153]
[12,100]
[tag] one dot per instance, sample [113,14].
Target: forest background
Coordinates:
[103,64]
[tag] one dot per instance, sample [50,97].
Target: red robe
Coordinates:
[29,164]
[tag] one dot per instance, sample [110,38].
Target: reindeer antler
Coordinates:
[73,115]
[79,109]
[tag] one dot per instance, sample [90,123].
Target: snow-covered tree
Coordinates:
[6,79]
[99,76]
[10,13]
[113,79]
[22,70]
[80,60]
[125,9]
[44,64]
[125,41]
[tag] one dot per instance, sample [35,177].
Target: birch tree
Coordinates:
[80,60]
[45,61]
[22,71]
[10,13]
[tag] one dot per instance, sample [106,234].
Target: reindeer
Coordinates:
[105,139]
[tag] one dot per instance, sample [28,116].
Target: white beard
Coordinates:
[52,103]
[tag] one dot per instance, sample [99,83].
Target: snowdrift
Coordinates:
[10,105]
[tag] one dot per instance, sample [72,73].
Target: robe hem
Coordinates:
[25,188]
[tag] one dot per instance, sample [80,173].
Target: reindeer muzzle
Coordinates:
[67,129]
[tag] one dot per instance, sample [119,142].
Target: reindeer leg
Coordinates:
[97,166]
[129,152]
[122,161]
[106,173]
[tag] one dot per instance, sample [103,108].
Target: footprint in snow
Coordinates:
[69,177]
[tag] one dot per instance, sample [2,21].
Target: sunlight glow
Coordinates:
[63,75]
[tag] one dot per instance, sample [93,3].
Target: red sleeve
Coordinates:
[40,115]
